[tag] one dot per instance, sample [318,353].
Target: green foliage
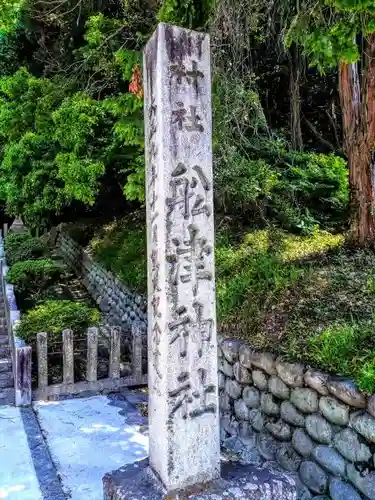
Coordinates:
[120,248]
[299,190]
[186,13]
[10,14]
[33,277]
[14,240]
[71,133]
[328,30]
[54,316]
[21,247]
[258,172]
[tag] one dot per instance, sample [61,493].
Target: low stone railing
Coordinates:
[20,352]
[91,384]
[321,427]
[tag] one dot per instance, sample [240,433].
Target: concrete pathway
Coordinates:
[18,479]
[89,437]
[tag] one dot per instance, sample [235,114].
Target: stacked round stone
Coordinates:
[319,427]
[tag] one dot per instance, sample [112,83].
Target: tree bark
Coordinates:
[358,109]
[295,98]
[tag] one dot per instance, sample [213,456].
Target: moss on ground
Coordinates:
[307,298]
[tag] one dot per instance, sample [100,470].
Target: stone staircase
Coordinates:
[6,374]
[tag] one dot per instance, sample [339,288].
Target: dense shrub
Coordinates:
[32,277]
[299,190]
[23,246]
[54,316]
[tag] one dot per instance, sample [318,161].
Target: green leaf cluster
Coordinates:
[23,246]
[330,31]
[53,316]
[30,277]
[71,133]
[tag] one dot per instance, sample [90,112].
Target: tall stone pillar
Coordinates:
[183,389]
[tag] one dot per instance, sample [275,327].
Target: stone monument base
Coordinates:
[137,482]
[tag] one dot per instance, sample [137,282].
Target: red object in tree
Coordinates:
[136,86]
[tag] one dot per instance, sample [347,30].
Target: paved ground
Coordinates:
[63,449]
[18,479]
[89,437]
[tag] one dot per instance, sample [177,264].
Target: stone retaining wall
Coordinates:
[320,427]
[122,306]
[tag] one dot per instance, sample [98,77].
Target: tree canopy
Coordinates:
[71,104]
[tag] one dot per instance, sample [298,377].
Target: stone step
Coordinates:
[5,365]
[4,352]
[4,341]
[7,396]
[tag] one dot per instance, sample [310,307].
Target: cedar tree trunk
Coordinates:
[357,94]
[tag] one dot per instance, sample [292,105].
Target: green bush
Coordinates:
[14,240]
[299,190]
[33,277]
[53,316]
[23,246]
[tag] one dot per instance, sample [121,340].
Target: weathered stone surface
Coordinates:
[241,410]
[268,404]
[280,430]
[230,349]
[251,396]
[244,429]
[305,399]
[256,419]
[330,459]
[290,414]
[224,401]
[371,405]
[313,476]
[287,458]
[241,374]
[233,388]
[365,483]
[223,434]
[233,445]
[342,491]
[264,360]
[250,455]
[346,391]
[334,412]
[221,378]
[290,373]
[260,379]
[182,373]
[225,367]
[364,424]
[278,388]
[317,381]
[319,429]
[302,443]
[245,356]
[349,445]
[132,482]
[229,424]
[267,446]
